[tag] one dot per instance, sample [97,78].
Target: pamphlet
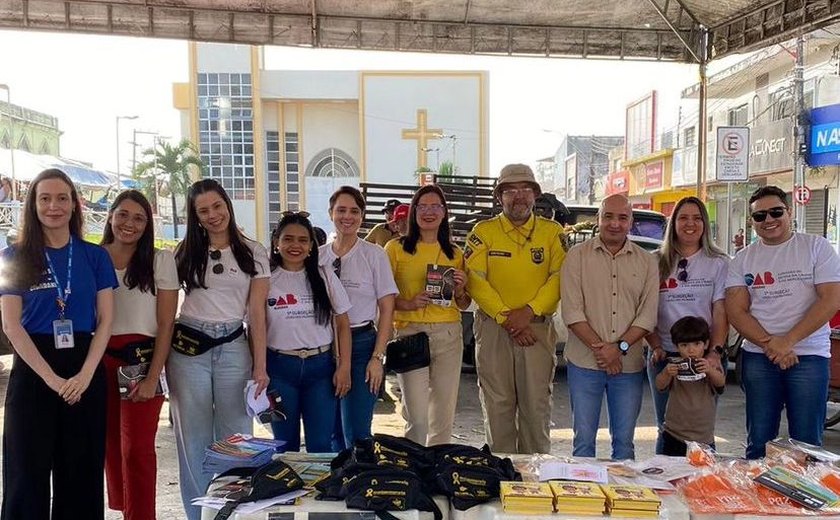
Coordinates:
[440,284]
[799,489]
[129,376]
[553,470]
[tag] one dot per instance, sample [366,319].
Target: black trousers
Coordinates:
[45,437]
[672,446]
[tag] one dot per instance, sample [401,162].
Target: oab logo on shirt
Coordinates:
[759,279]
[667,285]
[281,302]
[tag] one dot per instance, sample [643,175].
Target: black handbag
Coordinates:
[408,353]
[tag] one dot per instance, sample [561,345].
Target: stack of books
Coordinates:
[631,501]
[583,498]
[527,498]
[239,451]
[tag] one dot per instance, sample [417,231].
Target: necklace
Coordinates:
[521,233]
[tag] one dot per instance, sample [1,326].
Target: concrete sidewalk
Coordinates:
[468,430]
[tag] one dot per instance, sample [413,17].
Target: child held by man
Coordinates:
[693,383]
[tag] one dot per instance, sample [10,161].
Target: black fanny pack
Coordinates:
[408,353]
[271,480]
[191,342]
[134,353]
[384,490]
[469,476]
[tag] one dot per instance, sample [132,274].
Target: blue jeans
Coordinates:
[306,389]
[624,402]
[357,406]
[660,399]
[801,389]
[208,403]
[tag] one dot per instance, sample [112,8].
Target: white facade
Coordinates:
[284,139]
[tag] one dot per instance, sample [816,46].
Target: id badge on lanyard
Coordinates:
[62,327]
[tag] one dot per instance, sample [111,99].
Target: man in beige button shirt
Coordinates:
[609,301]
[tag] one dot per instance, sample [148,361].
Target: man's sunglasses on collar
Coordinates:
[761,216]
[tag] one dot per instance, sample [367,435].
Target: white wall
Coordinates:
[390,105]
[219,57]
[306,84]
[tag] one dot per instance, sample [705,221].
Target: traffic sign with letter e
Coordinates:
[802,195]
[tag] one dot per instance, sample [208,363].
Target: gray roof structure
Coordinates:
[666,30]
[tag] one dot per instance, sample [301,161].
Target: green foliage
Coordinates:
[170,164]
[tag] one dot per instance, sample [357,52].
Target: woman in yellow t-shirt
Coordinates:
[429,271]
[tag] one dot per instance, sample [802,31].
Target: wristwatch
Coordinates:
[720,350]
[380,356]
[623,346]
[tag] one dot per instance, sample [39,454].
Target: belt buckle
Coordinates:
[303,353]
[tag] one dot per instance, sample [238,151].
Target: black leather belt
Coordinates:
[362,328]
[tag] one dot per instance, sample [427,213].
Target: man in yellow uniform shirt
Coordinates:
[513,263]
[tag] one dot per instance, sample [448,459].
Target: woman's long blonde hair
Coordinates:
[669,254]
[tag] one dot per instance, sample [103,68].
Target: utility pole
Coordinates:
[592,170]
[799,130]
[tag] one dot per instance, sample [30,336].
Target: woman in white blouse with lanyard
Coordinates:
[144,313]
[225,277]
[365,274]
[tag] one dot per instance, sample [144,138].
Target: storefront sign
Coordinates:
[732,153]
[824,144]
[653,175]
[770,147]
[618,182]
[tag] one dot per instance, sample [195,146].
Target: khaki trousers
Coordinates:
[515,386]
[429,395]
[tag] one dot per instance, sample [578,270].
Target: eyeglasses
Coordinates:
[513,192]
[430,208]
[217,255]
[337,267]
[302,214]
[682,275]
[761,216]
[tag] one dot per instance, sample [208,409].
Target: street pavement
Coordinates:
[468,430]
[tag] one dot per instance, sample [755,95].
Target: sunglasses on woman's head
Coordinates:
[289,213]
[217,255]
[761,216]
[682,275]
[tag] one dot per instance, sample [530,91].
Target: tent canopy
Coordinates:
[671,30]
[28,165]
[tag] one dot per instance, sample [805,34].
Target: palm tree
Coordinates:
[170,164]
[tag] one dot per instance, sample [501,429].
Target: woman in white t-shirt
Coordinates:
[302,364]
[365,274]
[692,278]
[144,313]
[225,277]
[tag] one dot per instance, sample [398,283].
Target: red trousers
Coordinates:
[130,460]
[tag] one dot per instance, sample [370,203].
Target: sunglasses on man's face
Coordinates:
[761,216]
[216,255]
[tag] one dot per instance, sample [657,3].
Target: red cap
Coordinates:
[400,212]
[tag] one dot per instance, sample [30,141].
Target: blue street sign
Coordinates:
[824,141]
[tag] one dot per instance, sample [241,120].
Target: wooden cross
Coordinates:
[423,135]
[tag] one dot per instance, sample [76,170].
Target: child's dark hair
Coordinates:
[689,330]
